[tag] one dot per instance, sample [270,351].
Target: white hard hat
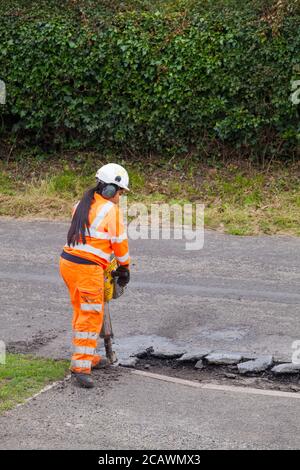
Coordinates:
[114,174]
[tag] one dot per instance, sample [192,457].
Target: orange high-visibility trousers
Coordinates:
[86,286]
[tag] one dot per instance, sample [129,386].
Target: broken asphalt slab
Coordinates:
[259,364]
[194,355]
[223,358]
[288,368]
[246,363]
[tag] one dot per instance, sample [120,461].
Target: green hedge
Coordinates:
[171,79]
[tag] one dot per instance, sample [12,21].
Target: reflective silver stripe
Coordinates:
[119,239]
[96,234]
[91,307]
[91,249]
[82,364]
[123,258]
[85,335]
[84,350]
[105,236]
[102,213]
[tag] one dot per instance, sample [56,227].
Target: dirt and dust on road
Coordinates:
[32,345]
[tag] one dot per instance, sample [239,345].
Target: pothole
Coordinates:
[221,375]
[32,345]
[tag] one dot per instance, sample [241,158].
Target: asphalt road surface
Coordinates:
[236,294]
[127,411]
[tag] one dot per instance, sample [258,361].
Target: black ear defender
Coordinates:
[109,190]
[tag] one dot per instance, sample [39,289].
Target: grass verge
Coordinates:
[239,198]
[23,375]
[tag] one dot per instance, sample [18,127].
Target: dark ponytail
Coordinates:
[80,221]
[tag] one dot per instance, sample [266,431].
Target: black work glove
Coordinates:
[123,275]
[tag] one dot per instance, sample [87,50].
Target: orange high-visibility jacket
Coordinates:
[104,236]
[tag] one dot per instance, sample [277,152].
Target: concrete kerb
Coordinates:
[58,383]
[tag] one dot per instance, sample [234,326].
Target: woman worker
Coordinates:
[96,232]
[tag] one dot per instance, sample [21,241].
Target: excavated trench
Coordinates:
[217,374]
[221,374]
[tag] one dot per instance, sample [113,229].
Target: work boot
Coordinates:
[104,362]
[84,380]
